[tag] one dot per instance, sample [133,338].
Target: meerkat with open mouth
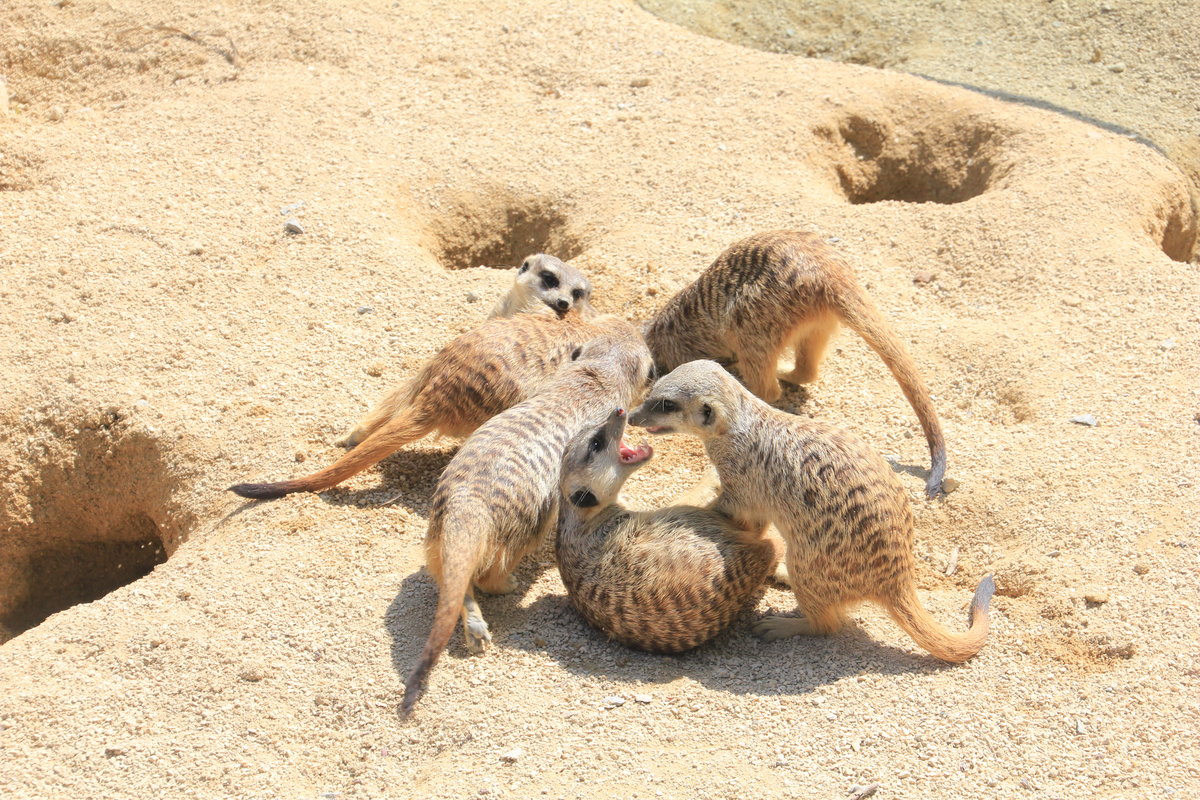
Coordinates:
[663,581]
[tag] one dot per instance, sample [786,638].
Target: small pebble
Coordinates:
[56,114]
[1095,596]
[1167,344]
[861,792]
[195,249]
[924,276]
[300,456]
[283,212]
[472,297]
[950,484]
[642,698]
[365,310]
[639,83]
[375,369]
[1117,67]
[113,750]
[614,701]
[1141,569]
[512,756]
[293,226]
[1085,419]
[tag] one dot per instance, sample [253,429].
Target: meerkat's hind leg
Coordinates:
[811,344]
[758,370]
[377,417]
[496,581]
[475,628]
[821,623]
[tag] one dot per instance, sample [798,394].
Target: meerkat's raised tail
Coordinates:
[409,426]
[930,634]
[861,316]
[458,570]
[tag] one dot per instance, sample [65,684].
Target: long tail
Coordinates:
[929,633]
[458,569]
[864,319]
[408,426]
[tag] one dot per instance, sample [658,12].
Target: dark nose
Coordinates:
[562,305]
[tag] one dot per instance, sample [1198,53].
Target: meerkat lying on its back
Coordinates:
[498,497]
[543,282]
[777,290]
[472,379]
[841,510]
[664,581]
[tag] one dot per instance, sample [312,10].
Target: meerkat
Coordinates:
[663,581]
[498,498]
[544,282]
[781,289]
[472,379]
[844,515]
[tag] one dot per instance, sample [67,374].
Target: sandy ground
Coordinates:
[162,337]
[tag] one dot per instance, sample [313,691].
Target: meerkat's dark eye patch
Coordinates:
[577,294]
[549,280]
[665,406]
[582,498]
[706,414]
[597,443]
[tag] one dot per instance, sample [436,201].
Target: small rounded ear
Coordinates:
[582,498]
[524,266]
[707,415]
[575,353]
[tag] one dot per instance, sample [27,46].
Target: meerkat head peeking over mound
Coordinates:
[545,282]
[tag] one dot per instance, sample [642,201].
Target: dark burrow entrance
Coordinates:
[91,509]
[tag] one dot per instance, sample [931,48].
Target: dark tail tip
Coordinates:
[983,596]
[261,491]
[937,474]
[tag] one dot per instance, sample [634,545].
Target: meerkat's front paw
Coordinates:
[477,635]
[770,629]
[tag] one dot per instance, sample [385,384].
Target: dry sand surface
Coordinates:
[162,337]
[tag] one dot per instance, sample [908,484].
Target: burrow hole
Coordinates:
[940,161]
[91,511]
[499,229]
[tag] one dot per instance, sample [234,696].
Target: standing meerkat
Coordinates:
[781,289]
[498,497]
[844,515]
[664,581]
[472,379]
[544,282]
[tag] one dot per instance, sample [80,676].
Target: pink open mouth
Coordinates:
[635,455]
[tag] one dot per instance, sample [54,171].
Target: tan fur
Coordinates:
[498,497]
[664,581]
[546,285]
[473,378]
[841,510]
[776,290]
